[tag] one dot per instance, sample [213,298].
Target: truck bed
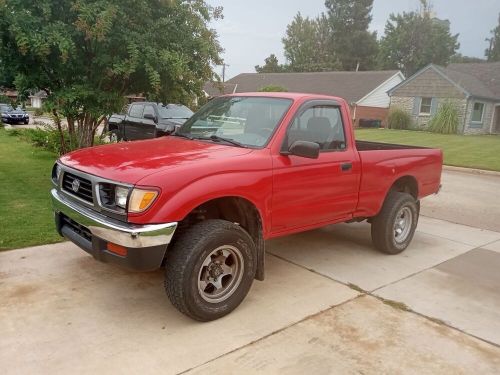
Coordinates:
[372,146]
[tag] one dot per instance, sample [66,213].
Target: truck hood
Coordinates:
[130,162]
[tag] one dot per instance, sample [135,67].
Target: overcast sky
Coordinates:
[252,30]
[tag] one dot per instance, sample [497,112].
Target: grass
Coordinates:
[26,217]
[470,151]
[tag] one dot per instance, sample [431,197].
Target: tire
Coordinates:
[210,269]
[393,228]
[26,122]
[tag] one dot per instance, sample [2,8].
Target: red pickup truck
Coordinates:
[243,169]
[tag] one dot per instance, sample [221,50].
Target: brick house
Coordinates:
[473,87]
[366,92]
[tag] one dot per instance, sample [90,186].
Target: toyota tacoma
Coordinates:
[245,168]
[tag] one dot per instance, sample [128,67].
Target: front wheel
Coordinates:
[210,269]
[393,228]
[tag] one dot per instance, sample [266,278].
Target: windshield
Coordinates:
[173,111]
[249,121]
[6,108]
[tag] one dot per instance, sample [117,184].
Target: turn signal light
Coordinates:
[140,200]
[117,249]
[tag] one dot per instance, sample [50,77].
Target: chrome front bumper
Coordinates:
[146,244]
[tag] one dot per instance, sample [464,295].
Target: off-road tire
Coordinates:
[185,260]
[383,225]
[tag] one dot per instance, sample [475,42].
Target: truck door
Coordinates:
[133,122]
[314,191]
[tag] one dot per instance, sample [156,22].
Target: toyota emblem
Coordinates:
[75,185]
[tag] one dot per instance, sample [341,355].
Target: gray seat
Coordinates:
[320,131]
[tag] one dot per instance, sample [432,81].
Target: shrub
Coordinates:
[273,88]
[38,112]
[398,119]
[445,121]
[49,138]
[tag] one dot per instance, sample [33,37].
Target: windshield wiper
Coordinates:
[182,135]
[217,138]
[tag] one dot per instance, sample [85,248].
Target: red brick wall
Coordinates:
[370,113]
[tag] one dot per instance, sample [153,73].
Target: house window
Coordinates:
[425,106]
[477,112]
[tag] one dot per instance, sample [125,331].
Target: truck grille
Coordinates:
[78,187]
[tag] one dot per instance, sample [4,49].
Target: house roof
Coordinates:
[219,88]
[351,86]
[478,79]
[474,79]
[40,94]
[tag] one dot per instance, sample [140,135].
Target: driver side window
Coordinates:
[322,125]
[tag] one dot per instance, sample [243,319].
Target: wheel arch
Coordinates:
[405,184]
[237,210]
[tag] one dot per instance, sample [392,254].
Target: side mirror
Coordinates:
[149,116]
[304,149]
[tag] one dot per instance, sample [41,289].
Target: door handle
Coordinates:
[346,167]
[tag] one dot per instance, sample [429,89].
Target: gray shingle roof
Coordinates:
[219,88]
[478,79]
[351,86]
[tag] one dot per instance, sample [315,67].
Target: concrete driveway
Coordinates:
[330,304]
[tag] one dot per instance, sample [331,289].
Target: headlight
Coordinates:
[121,195]
[117,198]
[141,200]
[56,173]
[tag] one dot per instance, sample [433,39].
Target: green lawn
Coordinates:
[481,151]
[26,217]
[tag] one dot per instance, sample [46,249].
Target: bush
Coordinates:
[399,119]
[273,88]
[38,112]
[445,121]
[49,138]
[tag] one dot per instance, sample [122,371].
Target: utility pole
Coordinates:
[224,71]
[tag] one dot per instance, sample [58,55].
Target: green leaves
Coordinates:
[493,52]
[89,54]
[413,41]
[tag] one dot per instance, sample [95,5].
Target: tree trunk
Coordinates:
[57,120]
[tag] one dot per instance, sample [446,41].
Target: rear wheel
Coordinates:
[210,269]
[393,228]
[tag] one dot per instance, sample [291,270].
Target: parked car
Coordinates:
[245,168]
[145,120]
[13,116]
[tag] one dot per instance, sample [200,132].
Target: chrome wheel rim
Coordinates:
[403,224]
[220,274]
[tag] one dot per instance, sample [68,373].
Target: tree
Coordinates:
[415,39]
[493,52]
[271,65]
[350,41]
[87,54]
[306,45]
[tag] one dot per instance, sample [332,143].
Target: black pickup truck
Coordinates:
[144,120]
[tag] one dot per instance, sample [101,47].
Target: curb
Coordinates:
[470,170]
